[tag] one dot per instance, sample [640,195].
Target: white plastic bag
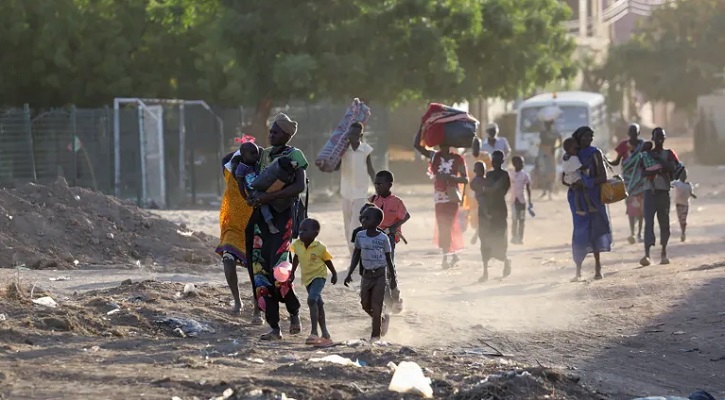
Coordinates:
[409,378]
[335,359]
[46,301]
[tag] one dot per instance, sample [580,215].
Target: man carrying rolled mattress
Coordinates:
[356,172]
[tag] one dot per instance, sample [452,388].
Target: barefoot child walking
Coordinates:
[683,192]
[312,257]
[372,249]
[521,184]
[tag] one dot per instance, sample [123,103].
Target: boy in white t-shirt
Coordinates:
[521,185]
[683,192]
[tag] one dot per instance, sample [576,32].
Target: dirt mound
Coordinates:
[57,226]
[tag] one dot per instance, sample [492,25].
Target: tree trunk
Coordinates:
[259,128]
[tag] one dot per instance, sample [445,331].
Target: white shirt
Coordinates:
[683,191]
[354,178]
[571,169]
[501,144]
[519,180]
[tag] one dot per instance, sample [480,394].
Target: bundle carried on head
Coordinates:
[329,157]
[442,124]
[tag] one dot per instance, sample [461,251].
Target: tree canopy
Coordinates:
[677,54]
[266,53]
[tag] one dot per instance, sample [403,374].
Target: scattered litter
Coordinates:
[189,327]
[114,311]
[46,301]
[76,262]
[409,378]
[60,278]
[255,360]
[392,366]
[190,290]
[176,398]
[185,233]
[354,343]
[3,317]
[678,333]
[335,359]
[226,394]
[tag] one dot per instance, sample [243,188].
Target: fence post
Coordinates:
[182,153]
[31,146]
[73,145]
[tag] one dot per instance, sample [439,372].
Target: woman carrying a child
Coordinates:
[592,233]
[267,249]
[449,172]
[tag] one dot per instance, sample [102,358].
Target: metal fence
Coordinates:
[78,144]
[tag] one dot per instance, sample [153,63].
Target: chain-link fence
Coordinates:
[82,146]
[40,146]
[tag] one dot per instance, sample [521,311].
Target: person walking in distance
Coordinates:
[521,184]
[683,192]
[632,175]
[356,172]
[657,196]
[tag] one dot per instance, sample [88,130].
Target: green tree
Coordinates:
[677,54]
[392,50]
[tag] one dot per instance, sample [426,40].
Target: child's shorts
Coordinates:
[314,289]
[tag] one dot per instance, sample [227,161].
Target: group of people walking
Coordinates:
[261,215]
[649,171]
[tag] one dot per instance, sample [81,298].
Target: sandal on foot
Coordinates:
[664,261]
[324,342]
[597,277]
[631,240]
[294,325]
[312,340]
[271,336]
[645,262]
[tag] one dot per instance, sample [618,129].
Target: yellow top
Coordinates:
[312,260]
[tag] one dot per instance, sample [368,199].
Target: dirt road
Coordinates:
[655,330]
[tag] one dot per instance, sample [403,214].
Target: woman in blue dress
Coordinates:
[592,232]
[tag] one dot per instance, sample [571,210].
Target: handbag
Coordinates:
[613,190]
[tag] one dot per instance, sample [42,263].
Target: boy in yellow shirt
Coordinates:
[315,260]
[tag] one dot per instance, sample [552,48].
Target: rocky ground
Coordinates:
[658,330]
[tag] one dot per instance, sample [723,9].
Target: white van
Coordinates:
[577,109]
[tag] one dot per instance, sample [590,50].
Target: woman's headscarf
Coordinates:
[284,123]
[579,133]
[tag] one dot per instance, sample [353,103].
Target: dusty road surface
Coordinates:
[658,330]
